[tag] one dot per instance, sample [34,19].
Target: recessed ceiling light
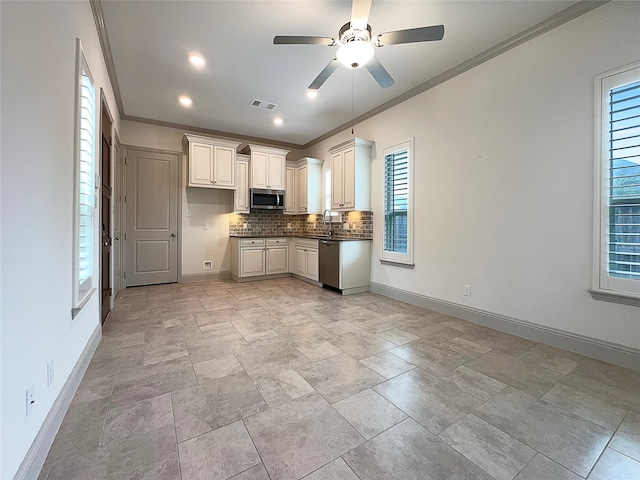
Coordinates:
[185,101]
[277,121]
[312,93]
[197,60]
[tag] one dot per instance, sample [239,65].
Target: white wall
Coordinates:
[504,179]
[210,206]
[37,152]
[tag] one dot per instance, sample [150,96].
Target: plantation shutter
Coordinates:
[624,181]
[86,182]
[396,195]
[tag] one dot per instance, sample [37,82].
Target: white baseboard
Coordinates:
[204,277]
[591,347]
[37,454]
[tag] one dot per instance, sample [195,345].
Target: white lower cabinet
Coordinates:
[306,258]
[251,262]
[277,253]
[257,257]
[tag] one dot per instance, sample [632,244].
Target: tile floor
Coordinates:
[281,380]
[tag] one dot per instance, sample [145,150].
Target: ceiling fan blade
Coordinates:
[411,35]
[360,14]
[379,73]
[324,74]
[297,40]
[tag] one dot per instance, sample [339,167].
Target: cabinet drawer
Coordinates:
[277,241]
[252,242]
[307,242]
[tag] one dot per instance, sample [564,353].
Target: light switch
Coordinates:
[205,226]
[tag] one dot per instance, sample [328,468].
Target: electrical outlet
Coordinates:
[245,226]
[354,226]
[30,399]
[50,373]
[345,226]
[205,226]
[188,213]
[289,226]
[467,290]
[207,265]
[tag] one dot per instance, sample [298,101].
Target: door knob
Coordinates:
[173,234]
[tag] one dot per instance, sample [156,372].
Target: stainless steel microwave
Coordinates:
[264,199]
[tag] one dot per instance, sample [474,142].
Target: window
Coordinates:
[398,203]
[84,177]
[618,189]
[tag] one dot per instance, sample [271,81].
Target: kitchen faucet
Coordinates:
[324,220]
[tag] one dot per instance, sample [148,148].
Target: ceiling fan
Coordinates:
[356,44]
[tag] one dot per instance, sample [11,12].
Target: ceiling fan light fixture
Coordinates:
[355,54]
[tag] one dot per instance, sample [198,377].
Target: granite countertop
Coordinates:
[313,237]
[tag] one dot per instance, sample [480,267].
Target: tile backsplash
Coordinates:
[269,223]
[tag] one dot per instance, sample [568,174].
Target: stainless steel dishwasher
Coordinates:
[329,259]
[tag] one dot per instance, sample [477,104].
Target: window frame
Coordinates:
[605,287]
[83,288]
[390,257]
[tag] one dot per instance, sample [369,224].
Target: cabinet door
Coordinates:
[200,164]
[241,195]
[251,262]
[301,189]
[312,264]
[290,191]
[275,179]
[224,168]
[301,262]
[337,181]
[277,260]
[259,170]
[349,178]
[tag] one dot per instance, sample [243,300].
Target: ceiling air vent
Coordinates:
[263,105]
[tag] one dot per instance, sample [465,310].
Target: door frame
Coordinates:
[104,110]
[118,177]
[181,193]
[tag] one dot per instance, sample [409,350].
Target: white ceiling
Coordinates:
[150,42]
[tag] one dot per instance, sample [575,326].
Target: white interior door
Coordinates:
[152,217]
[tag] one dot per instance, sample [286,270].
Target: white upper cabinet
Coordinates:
[307,190]
[267,167]
[241,195]
[309,185]
[290,192]
[212,161]
[351,175]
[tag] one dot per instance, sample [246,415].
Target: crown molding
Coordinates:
[560,18]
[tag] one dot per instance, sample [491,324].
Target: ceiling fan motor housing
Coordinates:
[352,36]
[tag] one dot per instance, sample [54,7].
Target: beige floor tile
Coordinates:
[586,406]
[130,420]
[218,454]
[497,453]
[528,377]
[500,342]
[299,436]
[435,405]
[369,413]
[409,451]
[549,357]
[217,368]
[430,357]
[282,387]
[542,468]
[270,360]
[474,383]
[339,377]
[213,404]
[254,473]
[614,465]
[387,364]
[627,438]
[336,470]
[361,344]
[570,440]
